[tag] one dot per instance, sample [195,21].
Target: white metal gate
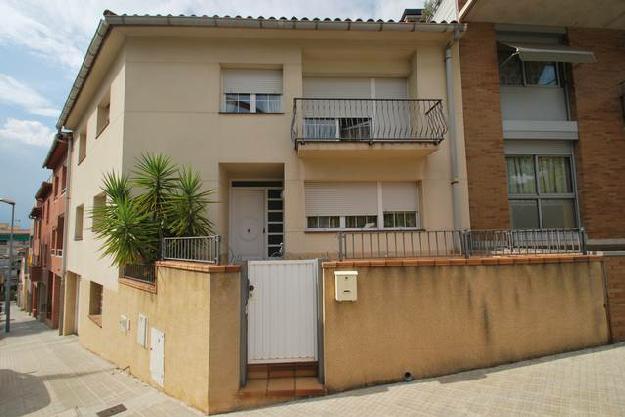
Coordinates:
[282,311]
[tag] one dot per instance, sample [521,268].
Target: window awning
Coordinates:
[554,53]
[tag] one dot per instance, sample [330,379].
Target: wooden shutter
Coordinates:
[252,81]
[341,199]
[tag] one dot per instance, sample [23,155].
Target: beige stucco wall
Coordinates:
[433,321]
[103,155]
[199,314]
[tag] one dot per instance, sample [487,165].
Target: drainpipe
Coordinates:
[66,138]
[453,131]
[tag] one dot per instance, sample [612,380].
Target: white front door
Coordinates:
[282,311]
[157,355]
[247,225]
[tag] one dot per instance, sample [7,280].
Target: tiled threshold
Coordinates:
[282,382]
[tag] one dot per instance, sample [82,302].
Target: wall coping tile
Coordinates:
[455,261]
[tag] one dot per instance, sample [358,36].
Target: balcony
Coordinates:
[327,127]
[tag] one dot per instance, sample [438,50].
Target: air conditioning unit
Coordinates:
[124,324]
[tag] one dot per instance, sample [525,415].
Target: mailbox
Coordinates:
[345,285]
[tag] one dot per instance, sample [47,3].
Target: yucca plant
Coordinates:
[129,234]
[155,176]
[167,202]
[186,207]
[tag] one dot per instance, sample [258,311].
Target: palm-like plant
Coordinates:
[170,202]
[155,176]
[186,206]
[128,233]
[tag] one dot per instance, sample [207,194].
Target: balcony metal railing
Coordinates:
[421,243]
[196,249]
[368,120]
[525,242]
[140,272]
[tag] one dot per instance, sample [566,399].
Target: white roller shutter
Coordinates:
[252,81]
[400,196]
[391,88]
[337,87]
[341,199]
[355,87]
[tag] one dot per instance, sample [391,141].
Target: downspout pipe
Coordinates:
[65,137]
[456,195]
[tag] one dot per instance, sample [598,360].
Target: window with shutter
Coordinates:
[357,205]
[252,91]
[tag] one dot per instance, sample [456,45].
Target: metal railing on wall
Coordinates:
[363,244]
[195,249]
[368,120]
[140,272]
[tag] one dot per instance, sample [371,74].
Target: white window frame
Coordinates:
[252,103]
[379,214]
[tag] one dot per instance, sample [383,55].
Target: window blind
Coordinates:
[355,87]
[340,199]
[400,196]
[391,88]
[252,81]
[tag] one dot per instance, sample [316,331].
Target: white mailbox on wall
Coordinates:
[345,285]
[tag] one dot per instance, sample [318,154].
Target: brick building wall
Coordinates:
[483,128]
[615,275]
[601,148]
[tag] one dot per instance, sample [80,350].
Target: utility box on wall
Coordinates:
[345,285]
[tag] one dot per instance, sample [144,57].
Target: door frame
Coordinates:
[265,189]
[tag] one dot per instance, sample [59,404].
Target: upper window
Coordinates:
[361,205]
[82,146]
[513,71]
[79,222]
[252,91]
[541,192]
[104,113]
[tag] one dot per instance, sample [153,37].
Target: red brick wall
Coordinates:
[601,148]
[615,272]
[483,129]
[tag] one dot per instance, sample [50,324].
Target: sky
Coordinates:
[42,45]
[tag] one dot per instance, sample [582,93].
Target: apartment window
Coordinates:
[80,218]
[103,113]
[541,192]
[337,128]
[361,205]
[513,71]
[56,185]
[252,91]
[96,292]
[82,146]
[99,201]
[63,178]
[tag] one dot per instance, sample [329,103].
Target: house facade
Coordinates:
[344,194]
[46,260]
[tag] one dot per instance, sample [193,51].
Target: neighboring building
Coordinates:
[48,237]
[21,241]
[544,118]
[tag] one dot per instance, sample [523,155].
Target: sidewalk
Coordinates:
[43,374]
